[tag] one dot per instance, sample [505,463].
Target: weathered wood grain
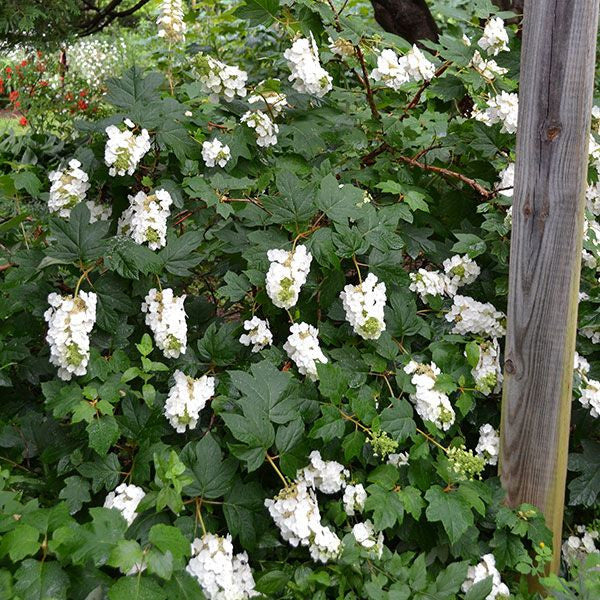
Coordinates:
[555,98]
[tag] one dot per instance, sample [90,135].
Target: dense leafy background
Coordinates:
[65,445]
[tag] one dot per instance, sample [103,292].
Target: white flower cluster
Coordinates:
[364,534]
[69,187]
[302,346]
[591,239]
[221,574]
[286,275]
[487,68]
[495,38]
[354,499]
[125,498]
[215,153]
[308,76]
[488,372]
[506,185]
[187,397]
[99,211]
[470,316]
[220,79]
[589,389]
[394,71]
[170,21]
[145,220]
[259,335]
[95,59]
[341,47]
[296,513]
[70,322]
[458,271]
[430,404]
[364,305]
[124,149]
[486,568]
[576,547]
[398,460]
[488,446]
[592,197]
[327,476]
[503,108]
[428,283]
[165,315]
[264,127]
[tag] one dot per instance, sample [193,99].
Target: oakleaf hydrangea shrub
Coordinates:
[254,317]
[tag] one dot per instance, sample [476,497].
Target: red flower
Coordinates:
[13,96]
[82,94]
[23,121]
[39,54]
[82,104]
[43,83]
[8,71]
[17,104]
[68,96]
[24,63]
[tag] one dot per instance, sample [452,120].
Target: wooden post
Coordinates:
[555,96]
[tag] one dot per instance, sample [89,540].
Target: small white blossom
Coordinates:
[99,211]
[69,187]
[507,181]
[186,400]
[221,574]
[486,568]
[394,71]
[259,335]
[220,79]
[503,108]
[266,131]
[495,37]
[592,197]
[460,271]
[145,220]
[398,460]
[488,372]
[430,404]
[272,101]
[487,68]
[296,513]
[428,283]
[591,240]
[327,476]
[354,498]
[170,21]
[286,275]
[364,305]
[589,389]
[308,76]
[470,316]
[302,346]
[576,547]
[165,315]
[124,149]
[364,534]
[70,322]
[488,446]
[215,153]
[341,47]
[125,498]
